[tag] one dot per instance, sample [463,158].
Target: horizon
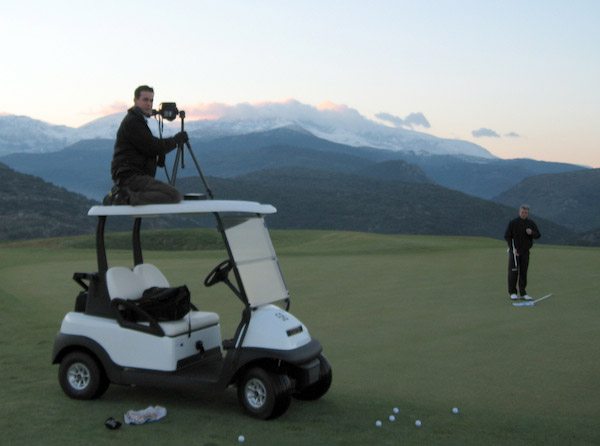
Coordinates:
[518,79]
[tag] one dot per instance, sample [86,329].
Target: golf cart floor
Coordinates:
[204,373]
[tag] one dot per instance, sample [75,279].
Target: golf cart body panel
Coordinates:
[199,370]
[273,328]
[133,348]
[190,351]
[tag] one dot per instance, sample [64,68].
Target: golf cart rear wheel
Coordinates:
[81,377]
[263,394]
[320,388]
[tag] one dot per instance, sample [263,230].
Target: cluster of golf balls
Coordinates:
[396,411]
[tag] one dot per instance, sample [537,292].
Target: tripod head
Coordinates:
[168,111]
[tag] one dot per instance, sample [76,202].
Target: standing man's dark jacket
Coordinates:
[137,151]
[516,231]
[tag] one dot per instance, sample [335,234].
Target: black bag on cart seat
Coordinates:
[165,304]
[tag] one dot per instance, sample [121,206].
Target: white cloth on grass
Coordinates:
[147,415]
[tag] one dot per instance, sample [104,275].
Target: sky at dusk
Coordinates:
[520,78]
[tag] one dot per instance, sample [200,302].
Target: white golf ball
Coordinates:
[396,410]
[378,423]
[418,423]
[241,438]
[392,418]
[455,410]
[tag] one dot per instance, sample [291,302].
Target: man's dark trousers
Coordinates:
[520,275]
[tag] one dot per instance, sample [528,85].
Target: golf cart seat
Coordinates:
[128,285]
[151,275]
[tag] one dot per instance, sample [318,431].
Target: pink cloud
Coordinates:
[216,110]
[331,106]
[207,112]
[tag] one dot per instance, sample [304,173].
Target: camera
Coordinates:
[168,110]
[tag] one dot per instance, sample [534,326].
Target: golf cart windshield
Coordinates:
[255,259]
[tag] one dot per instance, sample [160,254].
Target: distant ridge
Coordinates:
[318,199]
[570,197]
[84,167]
[32,208]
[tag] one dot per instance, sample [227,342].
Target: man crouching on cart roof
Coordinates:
[137,154]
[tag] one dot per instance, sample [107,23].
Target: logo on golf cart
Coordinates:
[282,317]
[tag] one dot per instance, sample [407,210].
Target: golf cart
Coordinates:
[109,339]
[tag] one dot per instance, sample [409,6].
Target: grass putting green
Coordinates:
[419,323]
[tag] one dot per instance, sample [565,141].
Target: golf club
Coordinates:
[530,303]
[516,268]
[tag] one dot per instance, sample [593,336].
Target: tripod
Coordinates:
[179,159]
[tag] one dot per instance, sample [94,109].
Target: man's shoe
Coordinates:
[527,297]
[116,196]
[513,297]
[121,197]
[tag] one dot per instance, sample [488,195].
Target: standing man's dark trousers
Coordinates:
[518,273]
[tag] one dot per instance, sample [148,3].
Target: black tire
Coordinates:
[263,394]
[320,388]
[81,377]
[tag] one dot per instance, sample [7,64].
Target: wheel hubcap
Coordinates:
[256,393]
[78,376]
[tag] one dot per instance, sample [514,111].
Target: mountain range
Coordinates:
[305,198]
[336,123]
[84,166]
[355,187]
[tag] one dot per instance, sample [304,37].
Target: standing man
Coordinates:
[137,154]
[519,235]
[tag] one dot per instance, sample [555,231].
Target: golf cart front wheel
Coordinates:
[81,377]
[263,394]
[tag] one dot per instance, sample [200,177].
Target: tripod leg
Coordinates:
[175,166]
[208,191]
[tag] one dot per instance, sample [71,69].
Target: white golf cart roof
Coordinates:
[185,207]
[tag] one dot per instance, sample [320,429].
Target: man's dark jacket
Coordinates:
[516,231]
[137,151]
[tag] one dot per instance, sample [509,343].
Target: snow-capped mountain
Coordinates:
[339,124]
[335,123]
[24,134]
[105,127]
[21,134]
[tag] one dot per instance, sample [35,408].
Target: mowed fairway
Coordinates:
[419,323]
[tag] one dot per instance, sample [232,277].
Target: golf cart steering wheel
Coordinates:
[218,273]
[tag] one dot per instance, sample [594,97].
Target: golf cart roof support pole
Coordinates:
[242,292]
[100,248]
[240,335]
[233,289]
[137,243]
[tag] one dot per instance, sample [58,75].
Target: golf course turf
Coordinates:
[419,323]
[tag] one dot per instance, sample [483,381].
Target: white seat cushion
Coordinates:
[124,284]
[199,320]
[151,276]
